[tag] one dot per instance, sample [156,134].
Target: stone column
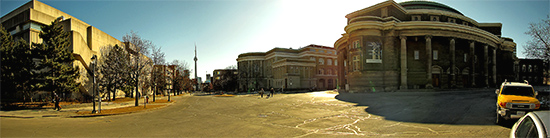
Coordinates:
[495,66]
[403,62]
[453,63]
[472,61]
[486,64]
[429,62]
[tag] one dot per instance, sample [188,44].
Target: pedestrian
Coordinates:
[57,107]
[272,92]
[262,93]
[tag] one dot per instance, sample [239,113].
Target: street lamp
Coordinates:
[92,65]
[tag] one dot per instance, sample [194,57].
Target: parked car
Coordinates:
[533,125]
[514,100]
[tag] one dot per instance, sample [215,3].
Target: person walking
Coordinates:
[57,107]
[272,92]
[261,92]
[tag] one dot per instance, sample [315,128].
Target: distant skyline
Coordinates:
[223,29]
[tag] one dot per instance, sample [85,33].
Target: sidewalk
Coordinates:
[72,110]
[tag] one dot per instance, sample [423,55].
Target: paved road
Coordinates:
[317,114]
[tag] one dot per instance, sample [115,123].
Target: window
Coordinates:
[329,72]
[416,55]
[356,63]
[217,78]
[374,52]
[329,61]
[530,68]
[434,55]
[320,72]
[322,51]
[356,44]
[312,58]
[434,18]
[465,57]
[523,68]
[329,52]
[415,18]
[335,62]
[218,72]
[344,63]
[452,20]
[312,50]
[527,129]
[321,61]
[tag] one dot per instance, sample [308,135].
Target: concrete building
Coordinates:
[420,44]
[86,40]
[310,67]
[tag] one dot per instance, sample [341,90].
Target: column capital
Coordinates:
[471,41]
[428,37]
[403,37]
[452,39]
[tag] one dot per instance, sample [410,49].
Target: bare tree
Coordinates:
[157,77]
[231,67]
[539,46]
[181,81]
[140,64]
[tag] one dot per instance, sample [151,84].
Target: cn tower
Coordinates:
[196,78]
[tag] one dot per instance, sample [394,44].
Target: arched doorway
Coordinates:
[330,85]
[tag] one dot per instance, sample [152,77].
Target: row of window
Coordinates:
[530,68]
[436,18]
[328,72]
[322,61]
[322,51]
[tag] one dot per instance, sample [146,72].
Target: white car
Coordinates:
[532,125]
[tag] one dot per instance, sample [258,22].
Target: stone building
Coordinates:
[421,44]
[310,67]
[533,70]
[225,79]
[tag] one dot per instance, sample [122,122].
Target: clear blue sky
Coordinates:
[223,29]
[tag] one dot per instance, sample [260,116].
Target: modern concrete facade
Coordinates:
[310,67]
[421,44]
[86,40]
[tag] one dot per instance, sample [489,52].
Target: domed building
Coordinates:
[421,45]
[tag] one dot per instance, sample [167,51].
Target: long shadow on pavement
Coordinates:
[464,108]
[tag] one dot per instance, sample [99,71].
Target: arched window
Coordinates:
[329,61]
[320,72]
[321,61]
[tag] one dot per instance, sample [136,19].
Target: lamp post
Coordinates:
[92,65]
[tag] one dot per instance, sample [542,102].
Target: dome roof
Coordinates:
[409,5]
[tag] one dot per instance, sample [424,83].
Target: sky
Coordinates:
[223,29]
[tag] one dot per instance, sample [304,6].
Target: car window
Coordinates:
[518,90]
[526,129]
